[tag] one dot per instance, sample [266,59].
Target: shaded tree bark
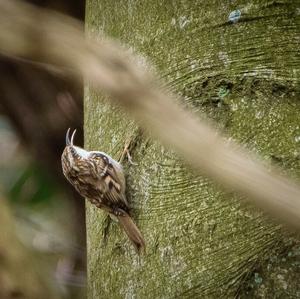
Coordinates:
[240,66]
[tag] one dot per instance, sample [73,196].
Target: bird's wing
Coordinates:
[110,183]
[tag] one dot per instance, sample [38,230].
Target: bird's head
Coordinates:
[72,154]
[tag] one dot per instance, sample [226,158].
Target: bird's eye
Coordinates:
[74,153]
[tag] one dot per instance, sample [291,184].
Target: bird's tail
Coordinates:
[132,232]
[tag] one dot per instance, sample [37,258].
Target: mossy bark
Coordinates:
[201,240]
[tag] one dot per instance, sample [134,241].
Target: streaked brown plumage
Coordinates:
[100,179]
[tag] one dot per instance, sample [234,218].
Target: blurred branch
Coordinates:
[59,40]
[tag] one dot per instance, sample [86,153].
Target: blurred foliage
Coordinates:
[39,204]
[32,185]
[23,180]
[48,217]
[33,283]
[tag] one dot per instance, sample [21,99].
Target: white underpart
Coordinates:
[82,152]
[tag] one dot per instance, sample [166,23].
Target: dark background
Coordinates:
[36,109]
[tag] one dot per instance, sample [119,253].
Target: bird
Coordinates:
[99,178]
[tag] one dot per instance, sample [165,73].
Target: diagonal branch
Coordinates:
[54,39]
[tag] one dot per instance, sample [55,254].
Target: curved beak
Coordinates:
[67,137]
[68,141]
[72,137]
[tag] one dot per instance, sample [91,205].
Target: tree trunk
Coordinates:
[238,64]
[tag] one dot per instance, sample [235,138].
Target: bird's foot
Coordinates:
[126,153]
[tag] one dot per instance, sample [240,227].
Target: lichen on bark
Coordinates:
[201,240]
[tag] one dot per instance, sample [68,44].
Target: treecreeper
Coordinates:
[100,179]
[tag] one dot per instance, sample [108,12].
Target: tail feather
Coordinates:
[132,232]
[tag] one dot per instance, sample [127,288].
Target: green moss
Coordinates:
[201,241]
